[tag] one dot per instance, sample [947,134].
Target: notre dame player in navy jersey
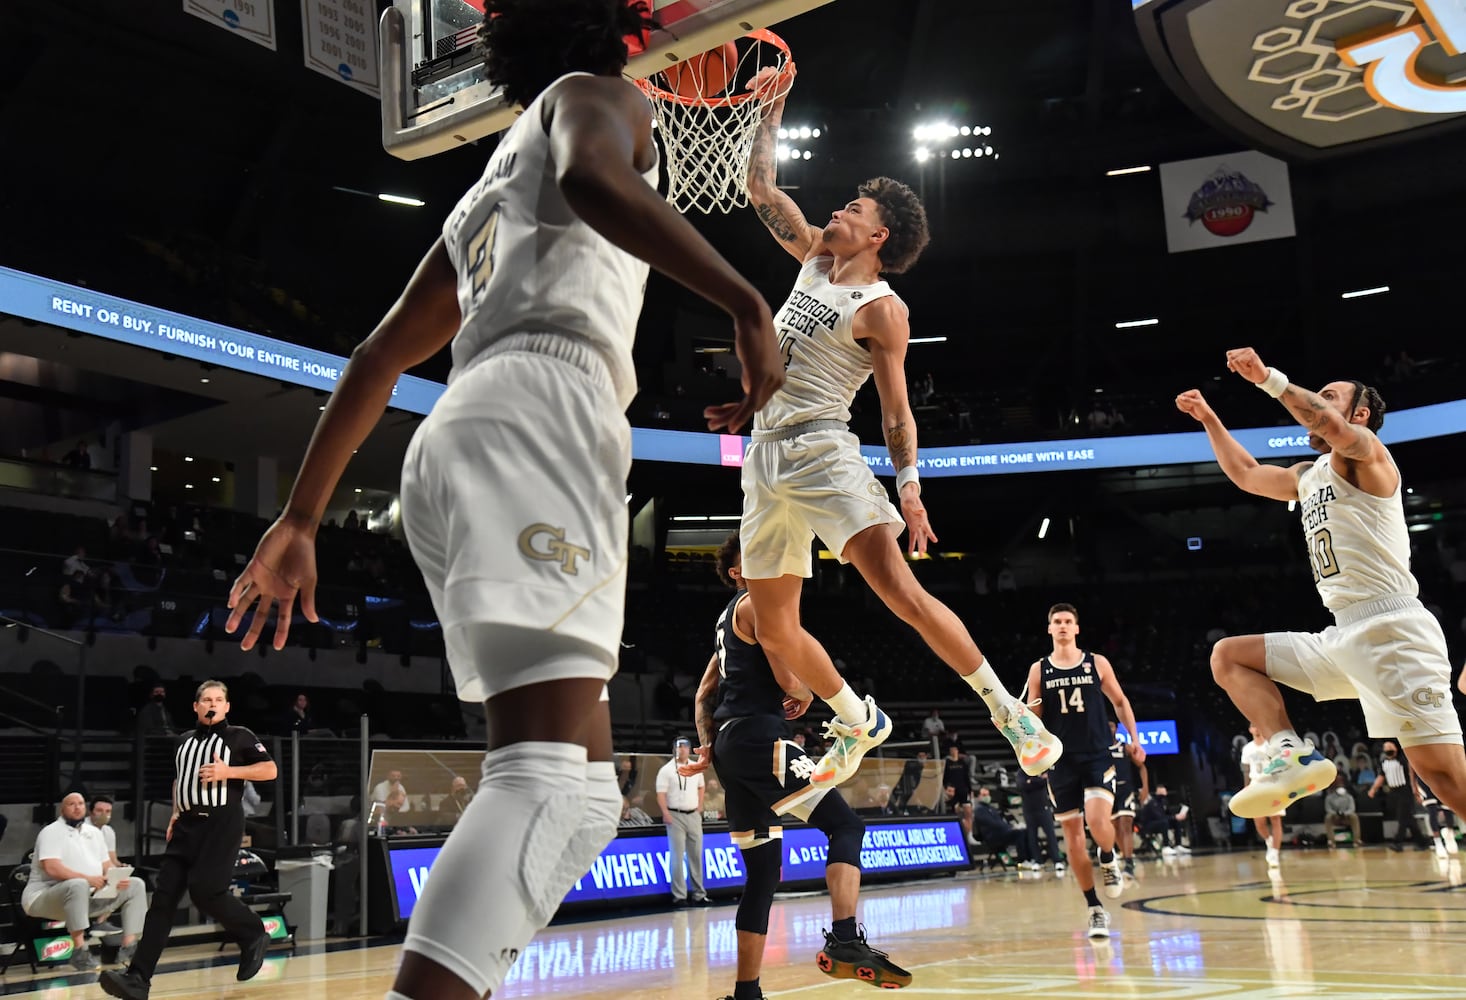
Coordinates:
[1066,689]
[1131,788]
[743,703]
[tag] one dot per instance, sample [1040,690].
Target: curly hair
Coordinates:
[903,214]
[1367,395]
[529,44]
[728,554]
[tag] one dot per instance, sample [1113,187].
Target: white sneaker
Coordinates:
[1037,748]
[1182,849]
[1274,858]
[849,744]
[1451,846]
[1296,772]
[1099,922]
[1112,876]
[1168,852]
[1058,867]
[1440,850]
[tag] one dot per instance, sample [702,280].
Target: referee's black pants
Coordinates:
[1400,807]
[200,858]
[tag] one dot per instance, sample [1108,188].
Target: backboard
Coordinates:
[435,97]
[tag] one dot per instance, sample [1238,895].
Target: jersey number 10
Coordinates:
[1321,555]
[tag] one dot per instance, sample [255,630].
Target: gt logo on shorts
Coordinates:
[555,548]
[1427,697]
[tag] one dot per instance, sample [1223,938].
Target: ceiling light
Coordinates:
[358,489]
[956,154]
[152,468]
[188,486]
[977,151]
[927,340]
[1043,529]
[987,130]
[401,199]
[966,129]
[1416,529]
[689,517]
[804,131]
[967,154]
[919,133]
[216,479]
[953,131]
[725,517]
[783,133]
[923,154]
[1127,324]
[188,458]
[783,152]
[807,154]
[988,150]
[816,133]
[1128,170]
[321,408]
[794,153]
[204,381]
[1377,290]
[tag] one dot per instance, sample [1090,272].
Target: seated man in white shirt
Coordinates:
[70,865]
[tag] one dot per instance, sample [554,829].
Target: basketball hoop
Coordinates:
[708,139]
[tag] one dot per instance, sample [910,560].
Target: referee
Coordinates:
[213,763]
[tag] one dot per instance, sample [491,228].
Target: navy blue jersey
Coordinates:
[1124,766]
[747,686]
[1074,705]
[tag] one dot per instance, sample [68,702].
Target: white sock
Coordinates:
[985,682]
[847,706]
[1284,739]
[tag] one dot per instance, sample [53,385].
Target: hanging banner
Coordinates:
[252,19]
[341,41]
[1219,201]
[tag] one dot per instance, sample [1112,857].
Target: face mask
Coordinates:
[159,698]
[73,823]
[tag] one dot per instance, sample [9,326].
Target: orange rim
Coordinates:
[727,101]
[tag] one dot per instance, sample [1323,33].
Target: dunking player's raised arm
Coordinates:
[885,329]
[1246,472]
[776,209]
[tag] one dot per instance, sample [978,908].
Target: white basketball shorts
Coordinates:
[1390,654]
[796,488]
[514,506]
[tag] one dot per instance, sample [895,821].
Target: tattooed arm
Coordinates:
[705,704]
[884,327]
[775,209]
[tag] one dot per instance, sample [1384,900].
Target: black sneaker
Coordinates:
[858,960]
[252,956]
[124,985]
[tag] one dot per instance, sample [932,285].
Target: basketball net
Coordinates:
[707,139]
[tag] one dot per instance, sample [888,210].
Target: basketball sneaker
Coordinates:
[1293,772]
[1037,748]
[1274,857]
[1099,922]
[849,743]
[1112,876]
[1450,838]
[858,960]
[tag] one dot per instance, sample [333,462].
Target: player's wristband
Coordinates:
[1274,384]
[908,475]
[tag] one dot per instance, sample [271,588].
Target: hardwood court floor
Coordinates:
[1361,925]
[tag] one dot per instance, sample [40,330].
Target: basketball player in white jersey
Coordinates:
[804,476]
[1269,827]
[512,488]
[1385,649]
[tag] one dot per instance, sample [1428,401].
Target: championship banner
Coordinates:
[252,19]
[1307,79]
[1220,201]
[341,42]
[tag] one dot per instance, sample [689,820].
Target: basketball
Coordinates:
[705,75]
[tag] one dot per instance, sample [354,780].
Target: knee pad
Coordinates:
[761,866]
[597,826]
[834,817]
[494,883]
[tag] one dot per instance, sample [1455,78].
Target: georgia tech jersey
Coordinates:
[824,365]
[1357,542]
[526,263]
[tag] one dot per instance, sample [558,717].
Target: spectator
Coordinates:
[996,831]
[385,788]
[628,772]
[1166,827]
[632,814]
[79,457]
[298,716]
[249,800]
[1038,815]
[1339,809]
[458,797]
[933,725]
[76,563]
[1363,770]
[70,866]
[957,785]
[153,718]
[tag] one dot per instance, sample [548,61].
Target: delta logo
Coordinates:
[57,949]
[1227,203]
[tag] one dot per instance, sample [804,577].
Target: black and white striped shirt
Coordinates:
[1394,773]
[233,745]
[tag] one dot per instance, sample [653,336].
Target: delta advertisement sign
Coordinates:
[639,866]
[1158,738]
